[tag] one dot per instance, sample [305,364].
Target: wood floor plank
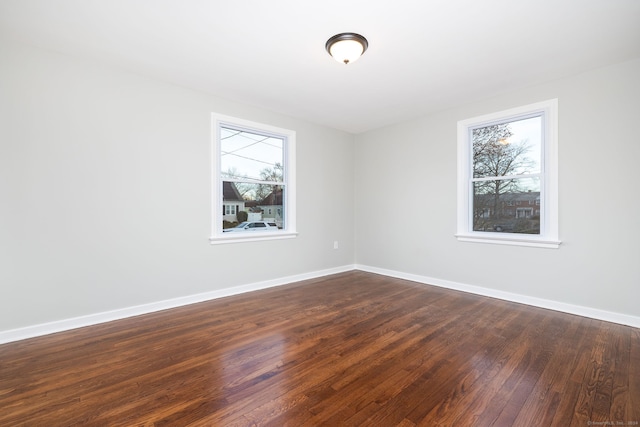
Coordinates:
[351,349]
[620,357]
[594,373]
[553,381]
[633,405]
[487,397]
[532,390]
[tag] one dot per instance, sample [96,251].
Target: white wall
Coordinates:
[105,192]
[105,195]
[598,263]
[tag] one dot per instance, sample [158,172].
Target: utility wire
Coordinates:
[243,134]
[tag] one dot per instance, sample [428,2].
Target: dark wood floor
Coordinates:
[351,349]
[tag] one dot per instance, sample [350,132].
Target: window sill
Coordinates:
[511,239]
[253,237]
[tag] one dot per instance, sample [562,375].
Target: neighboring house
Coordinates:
[522,205]
[272,207]
[232,202]
[252,206]
[254,210]
[510,205]
[512,212]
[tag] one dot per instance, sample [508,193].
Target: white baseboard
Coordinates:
[623,319]
[108,316]
[94,319]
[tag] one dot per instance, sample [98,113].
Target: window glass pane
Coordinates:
[507,205]
[511,148]
[254,202]
[247,155]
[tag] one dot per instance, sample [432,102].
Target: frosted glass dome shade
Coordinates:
[347,47]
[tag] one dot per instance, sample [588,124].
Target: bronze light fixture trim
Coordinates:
[346,47]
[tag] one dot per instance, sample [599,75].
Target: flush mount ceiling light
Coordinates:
[346,47]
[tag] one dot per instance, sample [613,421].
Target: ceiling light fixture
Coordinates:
[346,47]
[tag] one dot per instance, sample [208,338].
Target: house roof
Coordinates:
[524,196]
[230,192]
[273,199]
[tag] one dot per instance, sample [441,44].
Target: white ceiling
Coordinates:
[423,56]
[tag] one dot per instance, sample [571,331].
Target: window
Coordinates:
[253,173]
[509,159]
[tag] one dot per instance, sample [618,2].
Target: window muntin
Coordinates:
[506,161]
[253,174]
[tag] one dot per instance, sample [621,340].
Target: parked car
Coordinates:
[253,226]
[520,225]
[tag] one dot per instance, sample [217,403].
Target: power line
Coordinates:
[249,158]
[245,135]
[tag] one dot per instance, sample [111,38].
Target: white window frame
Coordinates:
[548,237]
[289,179]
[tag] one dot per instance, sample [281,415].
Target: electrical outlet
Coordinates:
[335,244]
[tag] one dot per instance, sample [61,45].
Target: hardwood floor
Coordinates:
[353,349]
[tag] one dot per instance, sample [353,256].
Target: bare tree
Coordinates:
[275,175]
